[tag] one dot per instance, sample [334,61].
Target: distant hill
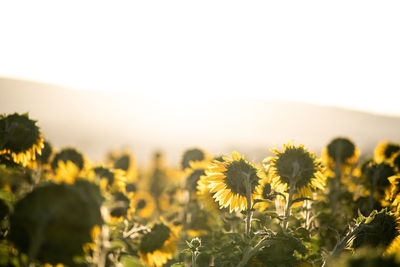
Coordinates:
[97,121]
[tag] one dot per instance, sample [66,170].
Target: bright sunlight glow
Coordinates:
[343,53]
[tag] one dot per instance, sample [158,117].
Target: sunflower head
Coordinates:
[143,204]
[340,150]
[384,151]
[379,229]
[297,167]
[233,181]
[111,179]
[120,207]
[193,174]
[377,175]
[158,245]
[20,138]
[193,154]
[68,154]
[124,160]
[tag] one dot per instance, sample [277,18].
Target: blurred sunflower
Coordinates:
[143,204]
[295,167]
[125,161]
[68,154]
[194,154]
[340,151]
[384,151]
[159,245]
[392,194]
[68,172]
[376,180]
[233,181]
[194,172]
[170,199]
[20,138]
[266,193]
[204,196]
[112,180]
[120,207]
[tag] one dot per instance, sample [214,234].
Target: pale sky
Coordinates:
[343,53]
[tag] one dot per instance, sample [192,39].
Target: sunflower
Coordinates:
[376,178]
[233,181]
[295,167]
[20,138]
[392,194]
[125,161]
[379,229]
[143,204]
[68,172]
[266,194]
[68,154]
[340,151]
[384,151]
[194,154]
[120,207]
[159,245]
[113,180]
[194,172]
[204,196]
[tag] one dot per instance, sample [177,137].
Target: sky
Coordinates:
[341,53]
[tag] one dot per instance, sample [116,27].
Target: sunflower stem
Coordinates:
[249,212]
[288,206]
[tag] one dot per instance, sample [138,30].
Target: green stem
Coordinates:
[288,207]
[247,256]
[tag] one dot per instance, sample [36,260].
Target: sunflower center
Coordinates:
[155,239]
[236,177]
[130,187]
[295,165]
[122,163]
[141,204]
[122,203]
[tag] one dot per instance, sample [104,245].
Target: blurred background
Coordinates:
[220,75]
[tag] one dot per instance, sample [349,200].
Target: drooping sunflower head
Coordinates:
[159,245]
[68,154]
[193,154]
[392,194]
[376,176]
[124,160]
[297,167]
[233,181]
[379,229]
[384,151]
[193,174]
[20,138]
[340,151]
[265,194]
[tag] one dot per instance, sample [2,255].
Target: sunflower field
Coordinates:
[295,208]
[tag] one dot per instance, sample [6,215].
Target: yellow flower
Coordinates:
[340,152]
[20,138]
[384,151]
[233,181]
[296,167]
[125,161]
[159,245]
[192,155]
[143,204]
[194,172]
[68,172]
[111,179]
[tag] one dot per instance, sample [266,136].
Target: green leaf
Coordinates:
[178,264]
